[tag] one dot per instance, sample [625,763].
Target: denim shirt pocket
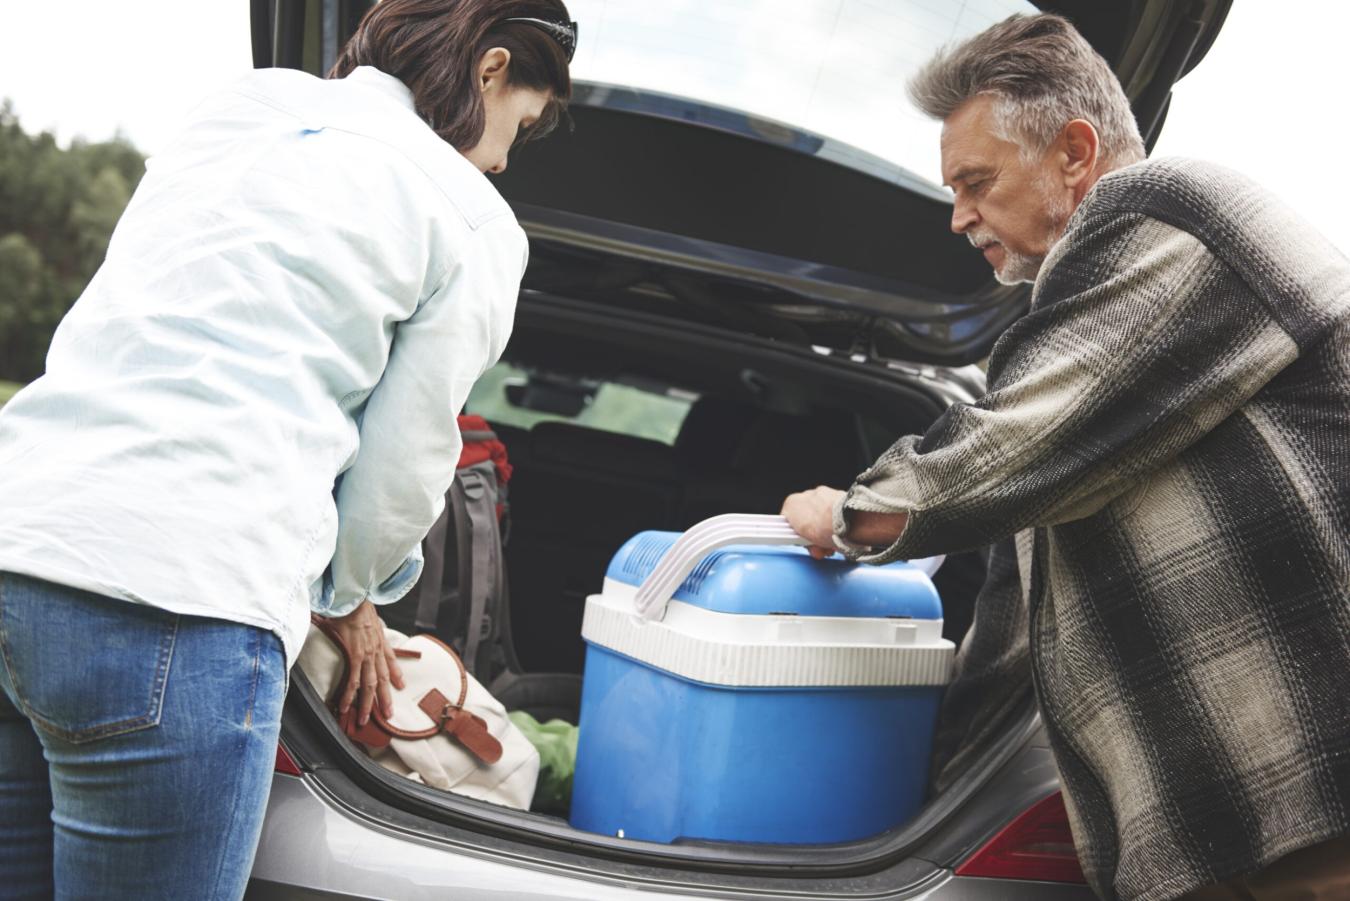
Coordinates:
[84,667]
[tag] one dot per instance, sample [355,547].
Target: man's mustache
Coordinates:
[981,238]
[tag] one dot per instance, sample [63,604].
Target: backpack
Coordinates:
[463,597]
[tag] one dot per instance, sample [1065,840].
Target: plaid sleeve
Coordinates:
[1138,343]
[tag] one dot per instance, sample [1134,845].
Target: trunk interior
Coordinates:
[739,431]
[684,422]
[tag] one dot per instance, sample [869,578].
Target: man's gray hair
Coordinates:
[1042,74]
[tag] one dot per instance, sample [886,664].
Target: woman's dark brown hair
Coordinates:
[434,47]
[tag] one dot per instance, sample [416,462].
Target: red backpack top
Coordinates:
[481,444]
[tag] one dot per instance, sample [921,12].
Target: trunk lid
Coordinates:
[764,172]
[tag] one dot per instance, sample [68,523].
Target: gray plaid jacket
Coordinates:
[1167,435]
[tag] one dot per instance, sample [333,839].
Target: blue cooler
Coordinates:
[753,694]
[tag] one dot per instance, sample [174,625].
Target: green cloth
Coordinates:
[556,742]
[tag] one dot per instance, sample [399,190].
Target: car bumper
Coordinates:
[312,848]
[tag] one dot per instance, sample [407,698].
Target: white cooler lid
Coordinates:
[770,650]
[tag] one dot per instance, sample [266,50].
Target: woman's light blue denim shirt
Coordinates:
[250,412]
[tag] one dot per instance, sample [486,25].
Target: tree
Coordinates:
[58,208]
[23,283]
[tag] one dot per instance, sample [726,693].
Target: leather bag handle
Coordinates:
[470,730]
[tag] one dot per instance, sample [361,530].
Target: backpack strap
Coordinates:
[462,592]
[462,517]
[479,522]
[433,567]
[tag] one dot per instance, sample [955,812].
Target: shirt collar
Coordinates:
[388,85]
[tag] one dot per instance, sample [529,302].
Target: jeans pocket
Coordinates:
[83,666]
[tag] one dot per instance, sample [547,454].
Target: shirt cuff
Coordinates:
[840,525]
[878,555]
[390,590]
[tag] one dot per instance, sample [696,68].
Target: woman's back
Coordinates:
[206,390]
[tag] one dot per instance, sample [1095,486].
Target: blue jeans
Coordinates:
[136,746]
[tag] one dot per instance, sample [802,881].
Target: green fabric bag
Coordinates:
[556,742]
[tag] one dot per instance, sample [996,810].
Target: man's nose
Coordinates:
[499,168]
[963,217]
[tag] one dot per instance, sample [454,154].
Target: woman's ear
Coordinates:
[492,68]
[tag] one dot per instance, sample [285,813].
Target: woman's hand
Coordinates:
[373,666]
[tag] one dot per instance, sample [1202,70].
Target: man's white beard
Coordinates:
[1018,268]
[1021,267]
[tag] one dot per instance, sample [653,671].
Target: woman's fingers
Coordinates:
[369,682]
[382,682]
[349,690]
[355,673]
[373,665]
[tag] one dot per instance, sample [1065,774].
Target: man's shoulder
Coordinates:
[1280,255]
[1187,193]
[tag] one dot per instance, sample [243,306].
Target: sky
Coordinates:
[1264,101]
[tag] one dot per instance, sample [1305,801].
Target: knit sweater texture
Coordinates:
[1164,455]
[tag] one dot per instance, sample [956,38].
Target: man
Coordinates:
[1167,436]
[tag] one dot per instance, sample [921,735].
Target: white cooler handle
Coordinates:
[718,532]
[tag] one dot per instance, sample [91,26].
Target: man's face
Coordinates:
[1010,208]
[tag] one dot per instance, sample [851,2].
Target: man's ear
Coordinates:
[1078,146]
[492,68]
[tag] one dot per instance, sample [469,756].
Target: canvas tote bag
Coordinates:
[446,730]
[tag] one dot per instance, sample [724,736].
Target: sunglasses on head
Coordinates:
[565,33]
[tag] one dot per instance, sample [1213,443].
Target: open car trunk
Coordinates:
[723,423]
[795,301]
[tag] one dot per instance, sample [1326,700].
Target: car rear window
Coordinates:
[655,413]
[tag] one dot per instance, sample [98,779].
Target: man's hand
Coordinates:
[373,666]
[811,515]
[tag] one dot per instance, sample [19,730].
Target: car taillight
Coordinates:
[1036,845]
[285,763]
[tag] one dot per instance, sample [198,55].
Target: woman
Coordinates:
[249,415]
